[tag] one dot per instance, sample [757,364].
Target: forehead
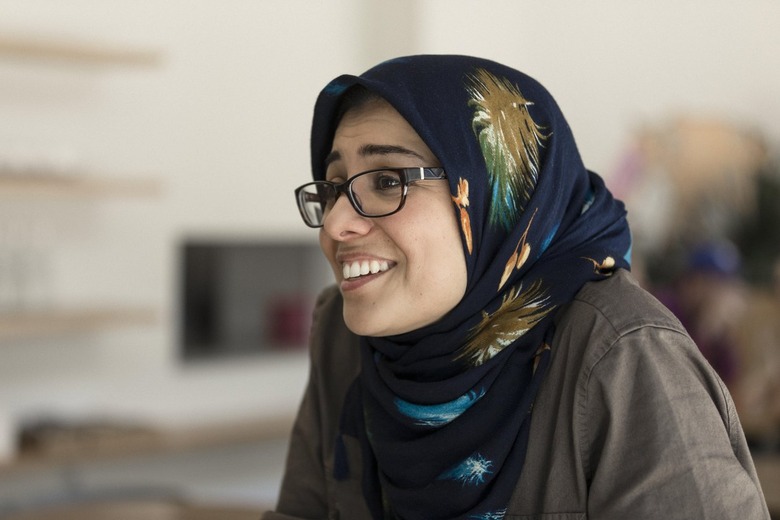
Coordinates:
[373,113]
[376,122]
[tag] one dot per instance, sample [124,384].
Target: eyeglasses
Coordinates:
[375,193]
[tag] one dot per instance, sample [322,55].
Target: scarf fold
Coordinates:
[443,412]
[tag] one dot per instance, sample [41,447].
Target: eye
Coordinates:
[384,181]
[335,174]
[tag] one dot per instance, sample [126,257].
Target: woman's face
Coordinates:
[420,245]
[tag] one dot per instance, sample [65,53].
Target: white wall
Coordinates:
[224,120]
[615,65]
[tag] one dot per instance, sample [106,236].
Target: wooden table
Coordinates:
[132,510]
[162,441]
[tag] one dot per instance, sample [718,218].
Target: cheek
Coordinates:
[437,259]
[452,257]
[453,264]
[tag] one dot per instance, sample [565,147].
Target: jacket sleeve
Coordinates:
[303,493]
[661,436]
[307,490]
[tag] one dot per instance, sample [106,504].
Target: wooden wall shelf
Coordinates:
[50,185]
[21,325]
[50,49]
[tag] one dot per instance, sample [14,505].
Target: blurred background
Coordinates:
[156,280]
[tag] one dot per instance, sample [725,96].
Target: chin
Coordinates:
[365,323]
[362,326]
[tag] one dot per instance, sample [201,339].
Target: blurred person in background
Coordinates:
[757,386]
[486,353]
[709,298]
[702,198]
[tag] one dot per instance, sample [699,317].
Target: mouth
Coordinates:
[356,269]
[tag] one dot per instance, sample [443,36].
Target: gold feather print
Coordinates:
[519,311]
[606,267]
[538,355]
[462,202]
[521,254]
[510,141]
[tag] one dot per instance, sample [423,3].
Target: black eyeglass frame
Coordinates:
[407,176]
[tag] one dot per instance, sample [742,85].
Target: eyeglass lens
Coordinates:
[372,194]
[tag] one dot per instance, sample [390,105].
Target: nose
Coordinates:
[342,222]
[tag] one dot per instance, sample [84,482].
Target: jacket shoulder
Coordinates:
[622,304]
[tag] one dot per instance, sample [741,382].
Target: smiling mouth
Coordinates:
[352,270]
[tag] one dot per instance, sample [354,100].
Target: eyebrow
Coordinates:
[375,149]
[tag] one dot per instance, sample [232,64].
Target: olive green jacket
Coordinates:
[630,422]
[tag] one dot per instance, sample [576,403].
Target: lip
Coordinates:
[353,284]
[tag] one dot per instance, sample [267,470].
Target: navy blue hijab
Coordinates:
[443,412]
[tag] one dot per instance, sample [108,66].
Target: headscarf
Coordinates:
[443,412]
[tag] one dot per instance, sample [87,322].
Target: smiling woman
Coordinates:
[393,300]
[485,353]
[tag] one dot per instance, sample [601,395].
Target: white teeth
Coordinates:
[355,269]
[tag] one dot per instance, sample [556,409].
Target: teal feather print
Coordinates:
[473,471]
[493,515]
[439,414]
[335,88]
[510,141]
[548,239]
[590,198]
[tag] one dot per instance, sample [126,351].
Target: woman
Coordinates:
[486,354]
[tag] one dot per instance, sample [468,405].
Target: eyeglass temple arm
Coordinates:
[420,174]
